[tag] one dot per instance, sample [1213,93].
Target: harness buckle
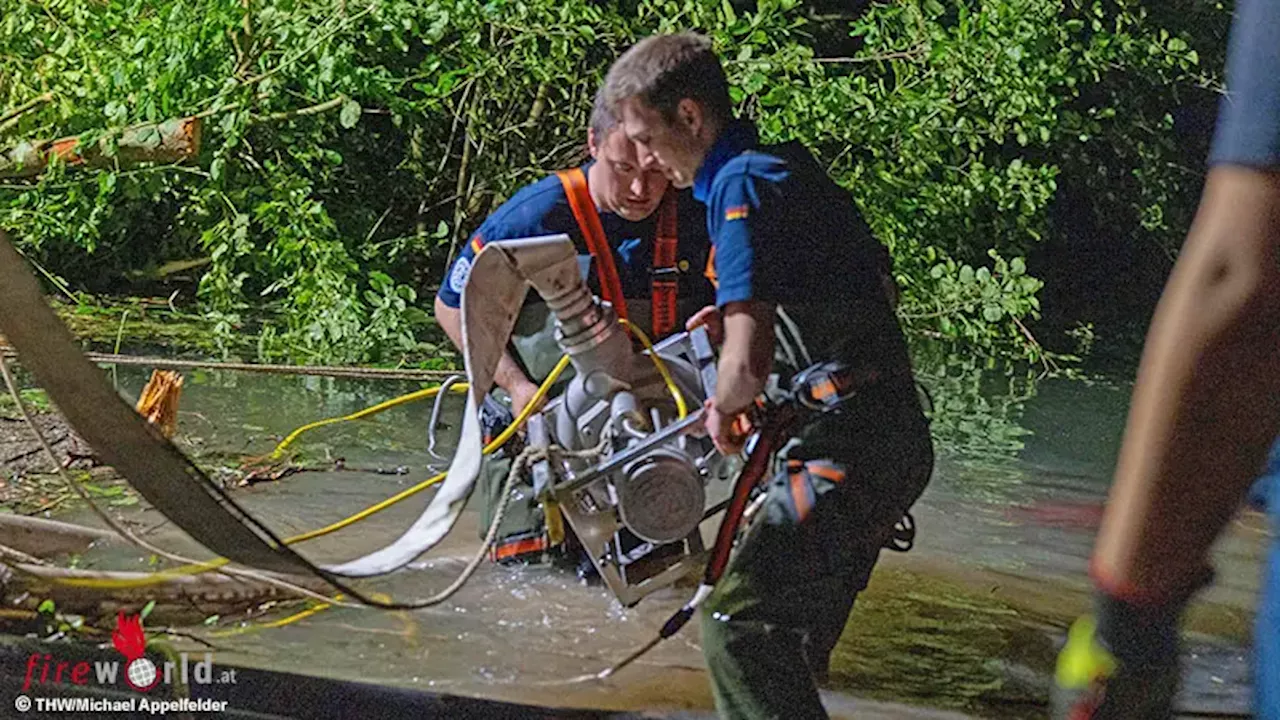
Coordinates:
[903,537]
[826,386]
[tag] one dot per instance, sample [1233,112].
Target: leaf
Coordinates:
[350,114]
[146,610]
[46,607]
[380,281]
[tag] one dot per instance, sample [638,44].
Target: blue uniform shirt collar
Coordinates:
[737,136]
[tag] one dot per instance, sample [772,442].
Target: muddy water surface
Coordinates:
[965,622]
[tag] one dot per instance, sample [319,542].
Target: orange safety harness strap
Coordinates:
[665,287]
[575,188]
[519,546]
[710,272]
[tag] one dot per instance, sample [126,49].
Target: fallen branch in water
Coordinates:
[38,537]
[320,370]
[135,540]
[184,598]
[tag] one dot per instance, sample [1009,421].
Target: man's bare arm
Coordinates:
[1206,406]
[508,376]
[746,357]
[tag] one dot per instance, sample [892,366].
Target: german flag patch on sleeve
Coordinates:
[737,212]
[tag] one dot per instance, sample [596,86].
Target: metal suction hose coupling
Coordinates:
[589,331]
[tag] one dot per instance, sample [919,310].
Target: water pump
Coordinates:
[637,507]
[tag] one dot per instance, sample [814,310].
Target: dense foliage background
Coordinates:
[1016,155]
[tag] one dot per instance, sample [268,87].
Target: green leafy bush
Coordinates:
[347,146]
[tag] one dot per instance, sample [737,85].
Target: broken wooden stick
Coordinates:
[159,401]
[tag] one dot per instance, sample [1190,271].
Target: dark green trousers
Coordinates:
[770,626]
[524,513]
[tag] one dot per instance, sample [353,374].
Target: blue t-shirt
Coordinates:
[784,233]
[1248,127]
[1265,493]
[543,209]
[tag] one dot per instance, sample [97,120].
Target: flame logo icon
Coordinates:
[140,673]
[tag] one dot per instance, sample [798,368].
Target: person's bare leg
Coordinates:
[1206,406]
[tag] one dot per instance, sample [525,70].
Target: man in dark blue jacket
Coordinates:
[784,237]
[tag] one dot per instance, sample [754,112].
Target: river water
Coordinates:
[966,622]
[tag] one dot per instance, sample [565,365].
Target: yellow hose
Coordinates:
[497,443]
[301,615]
[197,568]
[411,397]
[681,407]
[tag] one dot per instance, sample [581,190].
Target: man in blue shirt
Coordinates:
[787,243]
[1205,408]
[648,243]
[628,201]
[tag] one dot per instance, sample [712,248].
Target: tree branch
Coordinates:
[23,109]
[463,188]
[316,109]
[307,50]
[911,54]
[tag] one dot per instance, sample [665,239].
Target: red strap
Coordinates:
[799,493]
[584,211]
[664,288]
[822,470]
[517,547]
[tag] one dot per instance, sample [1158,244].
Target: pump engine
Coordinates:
[636,508]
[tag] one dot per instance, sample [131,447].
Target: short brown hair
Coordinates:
[662,70]
[603,119]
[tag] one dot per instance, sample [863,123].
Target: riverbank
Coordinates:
[156,325]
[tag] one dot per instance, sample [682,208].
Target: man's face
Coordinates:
[621,185]
[675,148]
